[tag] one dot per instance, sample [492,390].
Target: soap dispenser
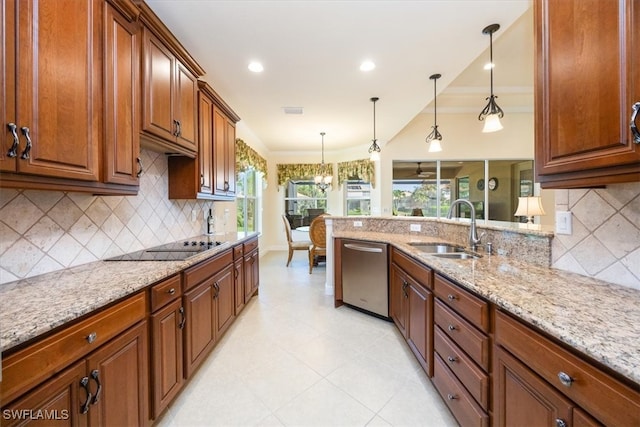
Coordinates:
[210,224]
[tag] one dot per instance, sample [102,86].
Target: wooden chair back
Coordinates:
[318,231]
[287,228]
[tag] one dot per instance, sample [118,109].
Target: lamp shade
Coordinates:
[492,123]
[434,146]
[529,207]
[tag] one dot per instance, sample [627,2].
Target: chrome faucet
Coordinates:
[474,240]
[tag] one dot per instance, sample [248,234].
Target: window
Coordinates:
[249,201]
[357,198]
[420,196]
[303,201]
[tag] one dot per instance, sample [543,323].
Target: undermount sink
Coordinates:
[457,255]
[437,248]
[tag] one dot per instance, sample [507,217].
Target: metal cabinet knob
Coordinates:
[565,379]
[171,291]
[452,359]
[451,396]
[451,297]
[560,422]
[634,128]
[92,337]
[451,327]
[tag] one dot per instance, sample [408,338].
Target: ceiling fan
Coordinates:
[422,174]
[406,173]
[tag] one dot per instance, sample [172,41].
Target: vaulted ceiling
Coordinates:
[311,51]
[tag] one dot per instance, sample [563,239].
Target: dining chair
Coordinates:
[294,245]
[318,236]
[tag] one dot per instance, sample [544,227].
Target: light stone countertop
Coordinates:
[34,306]
[599,319]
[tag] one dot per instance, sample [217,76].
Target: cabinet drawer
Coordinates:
[421,273]
[475,381]
[205,269]
[460,403]
[250,245]
[165,292]
[602,396]
[468,338]
[472,308]
[41,360]
[237,252]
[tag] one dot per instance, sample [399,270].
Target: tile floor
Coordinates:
[292,359]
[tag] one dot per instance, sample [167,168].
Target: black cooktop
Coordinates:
[175,251]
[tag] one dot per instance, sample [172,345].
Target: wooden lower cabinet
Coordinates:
[225,300]
[107,388]
[420,315]
[200,311]
[398,298]
[167,363]
[251,274]
[238,273]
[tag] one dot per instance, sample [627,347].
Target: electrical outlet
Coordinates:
[357,223]
[564,222]
[194,215]
[415,227]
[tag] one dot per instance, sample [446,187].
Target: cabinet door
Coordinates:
[200,337]
[205,143]
[166,355]
[158,77]
[122,129]
[420,334]
[119,374]
[251,274]
[220,179]
[230,145]
[399,299]
[59,400]
[186,107]
[224,294]
[239,286]
[587,80]
[7,85]
[523,398]
[59,87]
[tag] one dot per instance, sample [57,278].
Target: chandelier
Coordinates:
[323,179]
[434,138]
[374,150]
[491,113]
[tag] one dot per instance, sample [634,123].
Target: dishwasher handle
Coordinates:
[362,248]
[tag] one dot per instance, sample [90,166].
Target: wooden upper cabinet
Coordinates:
[169,89]
[122,163]
[53,85]
[587,80]
[224,153]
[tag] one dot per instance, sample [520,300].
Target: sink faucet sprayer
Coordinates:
[474,240]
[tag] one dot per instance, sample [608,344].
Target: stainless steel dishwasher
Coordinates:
[364,276]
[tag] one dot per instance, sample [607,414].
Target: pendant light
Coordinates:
[492,113]
[374,150]
[434,138]
[323,179]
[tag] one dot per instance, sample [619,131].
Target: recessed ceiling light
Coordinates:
[256,67]
[367,66]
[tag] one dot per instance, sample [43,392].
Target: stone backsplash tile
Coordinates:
[44,231]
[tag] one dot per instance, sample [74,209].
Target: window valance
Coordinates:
[247,157]
[294,171]
[364,170]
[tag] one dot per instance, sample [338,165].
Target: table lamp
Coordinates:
[528,207]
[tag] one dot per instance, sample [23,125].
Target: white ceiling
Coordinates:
[311,51]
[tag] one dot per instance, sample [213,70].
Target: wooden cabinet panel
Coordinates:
[586,83]
[472,308]
[239,285]
[121,163]
[221,178]
[58,95]
[521,397]
[420,335]
[119,371]
[165,291]
[205,269]
[225,299]
[251,274]
[200,336]
[60,398]
[398,298]
[186,108]
[167,355]
[455,396]
[205,145]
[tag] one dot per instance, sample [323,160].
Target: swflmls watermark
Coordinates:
[35,414]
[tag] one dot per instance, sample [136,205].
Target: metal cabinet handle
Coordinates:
[201,179]
[95,375]
[13,151]
[140,169]
[560,422]
[171,291]
[634,128]
[183,319]
[92,337]
[451,327]
[27,149]
[84,383]
[217,288]
[179,127]
[451,297]
[451,396]
[565,379]
[226,186]
[404,288]
[452,359]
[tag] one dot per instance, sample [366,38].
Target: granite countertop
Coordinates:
[599,319]
[33,306]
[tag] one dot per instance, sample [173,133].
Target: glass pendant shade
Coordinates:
[492,123]
[375,156]
[434,146]
[374,149]
[434,138]
[491,113]
[323,179]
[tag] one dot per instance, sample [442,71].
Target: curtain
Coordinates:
[293,171]
[361,169]
[247,157]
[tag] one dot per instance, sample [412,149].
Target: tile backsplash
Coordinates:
[605,241]
[44,231]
